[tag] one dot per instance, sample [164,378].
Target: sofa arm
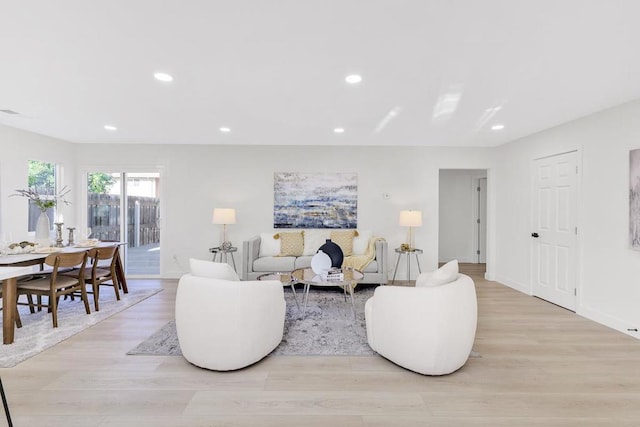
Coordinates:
[250,252]
[381,258]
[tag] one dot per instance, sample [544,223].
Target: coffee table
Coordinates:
[307,277]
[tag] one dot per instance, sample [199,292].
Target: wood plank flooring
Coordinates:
[540,365]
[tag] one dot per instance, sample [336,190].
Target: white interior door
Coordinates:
[555,229]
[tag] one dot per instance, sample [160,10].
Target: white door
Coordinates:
[555,233]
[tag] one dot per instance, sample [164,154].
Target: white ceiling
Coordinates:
[273,71]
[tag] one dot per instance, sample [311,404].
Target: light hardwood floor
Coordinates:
[541,366]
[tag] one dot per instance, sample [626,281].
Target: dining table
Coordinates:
[14,266]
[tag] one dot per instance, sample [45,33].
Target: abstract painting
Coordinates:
[315,200]
[634,199]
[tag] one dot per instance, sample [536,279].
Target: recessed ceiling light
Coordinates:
[110,127]
[338,130]
[353,79]
[163,77]
[497,127]
[225,129]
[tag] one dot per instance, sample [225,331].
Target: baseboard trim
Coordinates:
[522,287]
[608,321]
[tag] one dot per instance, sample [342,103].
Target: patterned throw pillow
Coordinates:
[291,244]
[344,239]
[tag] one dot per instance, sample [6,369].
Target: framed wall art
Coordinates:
[315,200]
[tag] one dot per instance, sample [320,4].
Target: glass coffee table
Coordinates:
[307,277]
[285,279]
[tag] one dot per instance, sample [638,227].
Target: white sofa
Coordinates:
[430,328]
[224,324]
[257,261]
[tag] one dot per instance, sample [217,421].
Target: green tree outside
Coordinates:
[100,183]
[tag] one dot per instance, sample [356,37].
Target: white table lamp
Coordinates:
[224,216]
[411,219]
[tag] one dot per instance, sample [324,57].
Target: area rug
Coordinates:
[38,334]
[327,328]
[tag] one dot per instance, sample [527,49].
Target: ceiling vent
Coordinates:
[9,112]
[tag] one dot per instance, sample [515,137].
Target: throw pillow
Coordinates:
[344,239]
[313,239]
[269,246]
[213,270]
[445,274]
[291,244]
[361,242]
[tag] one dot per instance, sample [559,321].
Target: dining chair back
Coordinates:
[59,282]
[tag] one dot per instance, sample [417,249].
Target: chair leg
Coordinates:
[53,306]
[96,295]
[30,301]
[116,285]
[18,320]
[85,299]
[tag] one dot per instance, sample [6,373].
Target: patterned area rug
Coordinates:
[38,334]
[327,328]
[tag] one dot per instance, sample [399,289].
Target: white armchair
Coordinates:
[224,324]
[426,329]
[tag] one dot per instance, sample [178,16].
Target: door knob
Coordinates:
[536,235]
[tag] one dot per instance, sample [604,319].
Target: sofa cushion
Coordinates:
[213,270]
[303,261]
[269,246]
[274,263]
[291,244]
[344,239]
[445,274]
[313,239]
[361,242]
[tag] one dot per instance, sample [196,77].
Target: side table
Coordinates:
[407,253]
[223,252]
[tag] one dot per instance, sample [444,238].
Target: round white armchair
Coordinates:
[225,324]
[429,329]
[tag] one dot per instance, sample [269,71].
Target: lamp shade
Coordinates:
[411,218]
[224,216]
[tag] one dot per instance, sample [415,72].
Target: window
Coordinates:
[42,179]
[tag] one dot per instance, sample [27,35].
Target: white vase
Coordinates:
[43,230]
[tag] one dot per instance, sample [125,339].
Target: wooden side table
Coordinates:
[407,252]
[224,253]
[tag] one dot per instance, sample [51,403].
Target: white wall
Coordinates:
[458,233]
[608,271]
[17,148]
[197,178]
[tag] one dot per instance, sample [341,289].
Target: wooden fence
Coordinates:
[103,212]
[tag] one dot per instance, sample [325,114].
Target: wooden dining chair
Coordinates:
[57,283]
[101,271]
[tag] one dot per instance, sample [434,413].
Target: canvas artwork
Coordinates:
[634,199]
[315,200]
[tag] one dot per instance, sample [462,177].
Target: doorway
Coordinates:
[125,207]
[463,216]
[554,234]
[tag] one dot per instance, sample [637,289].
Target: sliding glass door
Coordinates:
[125,207]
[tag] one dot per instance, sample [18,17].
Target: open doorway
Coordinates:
[463,218]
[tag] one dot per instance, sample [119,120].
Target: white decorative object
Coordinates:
[43,230]
[320,263]
[445,274]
